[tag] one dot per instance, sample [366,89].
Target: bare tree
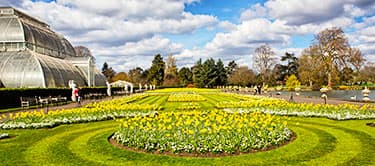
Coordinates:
[170,66]
[263,61]
[333,47]
[310,68]
[367,73]
[170,72]
[356,58]
[242,76]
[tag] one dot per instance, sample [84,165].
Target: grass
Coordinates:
[319,141]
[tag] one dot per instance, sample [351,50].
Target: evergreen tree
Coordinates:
[222,77]
[198,74]
[156,72]
[108,72]
[231,68]
[292,65]
[185,75]
[209,73]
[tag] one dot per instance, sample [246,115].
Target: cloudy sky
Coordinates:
[128,33]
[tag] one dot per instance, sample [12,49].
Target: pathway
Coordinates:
[315,100]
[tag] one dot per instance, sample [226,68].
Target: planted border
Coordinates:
[282,107]
[107,110]
[202,132]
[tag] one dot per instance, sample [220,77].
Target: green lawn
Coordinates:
[319,141]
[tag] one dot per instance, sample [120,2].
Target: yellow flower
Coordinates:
[190,131]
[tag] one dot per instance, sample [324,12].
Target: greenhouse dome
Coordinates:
[32,55]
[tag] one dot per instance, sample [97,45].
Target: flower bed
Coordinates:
[282,107]
[94,112]
[189,106]
[202,132]
[185,97]
[246,97]
[4,135]
[119,101]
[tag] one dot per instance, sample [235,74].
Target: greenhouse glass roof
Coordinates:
[32,55]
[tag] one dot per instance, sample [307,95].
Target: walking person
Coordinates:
[259,87]
[79,96]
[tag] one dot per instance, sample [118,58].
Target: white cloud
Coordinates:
[255,11]
[117,28]
[239,43]
[133,54]
[82,24]
[364,39]
[297,12]
[353,11]
[129,9]
[227,26]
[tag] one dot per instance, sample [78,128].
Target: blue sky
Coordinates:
[224,10]
[128,33]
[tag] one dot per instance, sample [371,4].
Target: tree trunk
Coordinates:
[329,80]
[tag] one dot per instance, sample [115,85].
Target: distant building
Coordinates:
[32,55]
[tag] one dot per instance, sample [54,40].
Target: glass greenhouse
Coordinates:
[32,55]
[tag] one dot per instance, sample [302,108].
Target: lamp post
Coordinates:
[297,89]
[366,93]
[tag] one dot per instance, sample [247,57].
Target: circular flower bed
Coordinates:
[202,132]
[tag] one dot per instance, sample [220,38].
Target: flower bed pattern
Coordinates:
[185,97]
[282,107]
[189,106]
[94,112]
[202,132]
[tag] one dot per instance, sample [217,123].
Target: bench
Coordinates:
[24,102]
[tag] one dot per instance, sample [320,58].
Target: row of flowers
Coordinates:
[189,106]
[119,101]
[4,135]
[282,107]
[185,97]
[118,108]
[243,97]
[52,122]
[178,90]
[200,132]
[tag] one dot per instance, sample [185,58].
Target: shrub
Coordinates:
[292,82]
[190,86]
